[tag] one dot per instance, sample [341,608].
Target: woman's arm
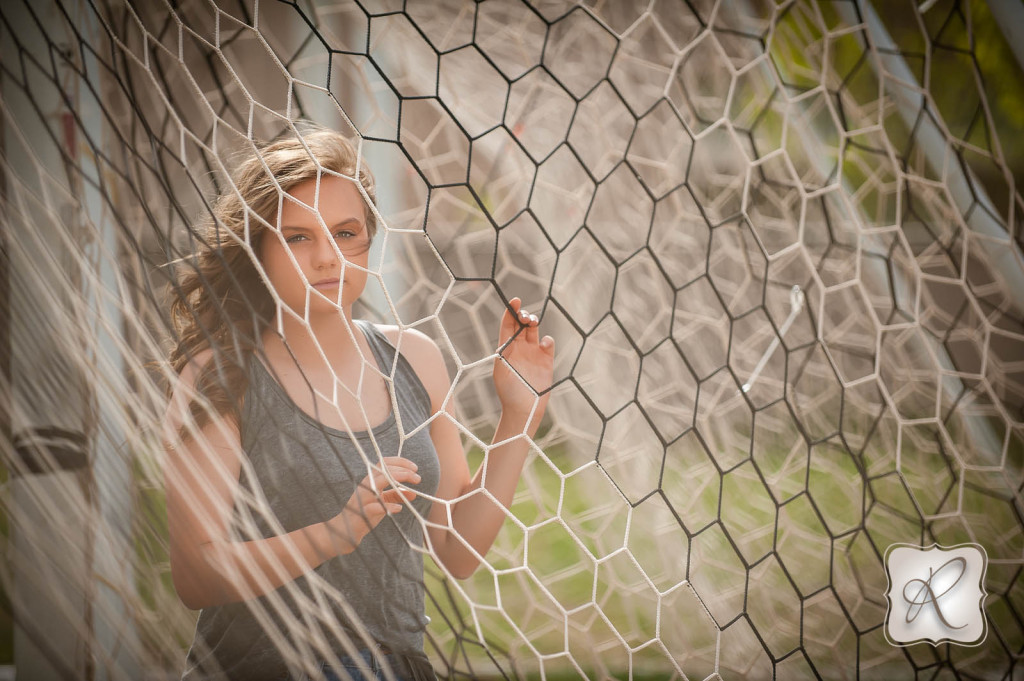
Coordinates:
[477,517]
[201,478]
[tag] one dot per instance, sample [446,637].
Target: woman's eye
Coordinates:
[340,234]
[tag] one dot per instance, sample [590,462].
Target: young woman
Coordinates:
[306,450]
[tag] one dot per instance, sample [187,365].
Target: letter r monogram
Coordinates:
[936,594]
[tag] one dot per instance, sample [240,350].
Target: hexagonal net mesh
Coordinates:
[779,245]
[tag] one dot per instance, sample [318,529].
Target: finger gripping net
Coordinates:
[778,244]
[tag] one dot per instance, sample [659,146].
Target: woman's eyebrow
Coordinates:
[301,228]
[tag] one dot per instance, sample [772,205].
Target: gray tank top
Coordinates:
[307,471]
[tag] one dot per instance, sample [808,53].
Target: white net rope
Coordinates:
[779,246]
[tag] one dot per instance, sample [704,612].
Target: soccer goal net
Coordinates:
[778,243]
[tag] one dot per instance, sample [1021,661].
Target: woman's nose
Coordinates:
[324,252]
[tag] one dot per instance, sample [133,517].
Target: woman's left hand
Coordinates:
[533,358]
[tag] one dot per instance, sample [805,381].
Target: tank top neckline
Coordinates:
[377,430]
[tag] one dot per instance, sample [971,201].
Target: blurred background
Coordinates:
[779,244]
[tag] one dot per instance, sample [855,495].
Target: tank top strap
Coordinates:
[381,347]
[394,364]
[257,394]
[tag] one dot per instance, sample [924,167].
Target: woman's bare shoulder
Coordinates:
[199,360]
[184,392]
[423,355]
[411,339]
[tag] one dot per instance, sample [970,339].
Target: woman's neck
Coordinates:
[331,332]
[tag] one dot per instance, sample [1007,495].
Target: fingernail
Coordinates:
[524,314]
[534,318]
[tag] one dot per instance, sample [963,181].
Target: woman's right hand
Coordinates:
[373,499]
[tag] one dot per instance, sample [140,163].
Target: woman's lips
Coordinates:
[326,284]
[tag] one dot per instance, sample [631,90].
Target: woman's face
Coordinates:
[318,272]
